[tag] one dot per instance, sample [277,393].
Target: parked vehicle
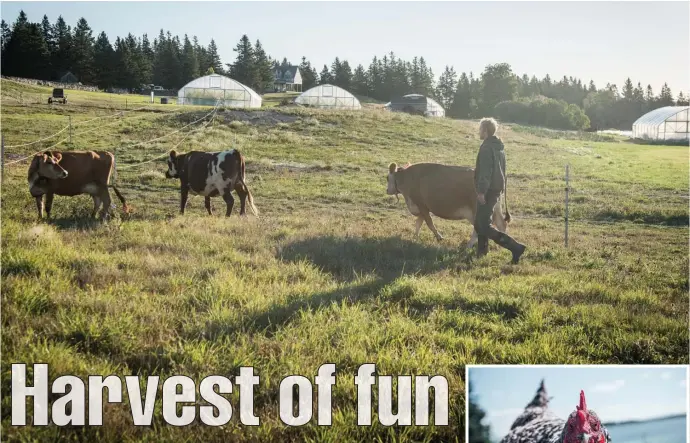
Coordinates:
[58,96]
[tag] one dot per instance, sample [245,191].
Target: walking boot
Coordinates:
[510,244]
[482,246]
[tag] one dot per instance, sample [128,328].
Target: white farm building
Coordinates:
[329,97]
[667,123]
[214,88]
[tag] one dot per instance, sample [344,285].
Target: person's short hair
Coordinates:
[489,125]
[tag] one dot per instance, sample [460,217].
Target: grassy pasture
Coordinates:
[329,271]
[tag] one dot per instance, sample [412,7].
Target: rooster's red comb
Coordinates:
[583,402]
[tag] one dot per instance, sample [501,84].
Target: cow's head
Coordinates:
[173,169]
[392,187]
[47,165]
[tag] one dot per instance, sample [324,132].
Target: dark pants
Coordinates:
[485,231]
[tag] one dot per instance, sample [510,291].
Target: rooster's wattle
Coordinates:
[537,424]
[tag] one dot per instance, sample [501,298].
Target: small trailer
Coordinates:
[58,96]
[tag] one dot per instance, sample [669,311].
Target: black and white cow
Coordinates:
[211,174]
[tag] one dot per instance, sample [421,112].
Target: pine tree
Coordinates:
[63,57]
[592,87]
[461,102]
[665,98]
[478,432]
[682,100]
[499,85]
[243,69]
[214,58]
[104,62]
[359,81]
[83,52]
[325,77]
[263,67]
[649,95]
[447,87]
[190,63]
[628,90]
[51,44]
[308,73]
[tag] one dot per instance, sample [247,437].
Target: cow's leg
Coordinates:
[105,197]
[473,239]
[49,203]
[498,218]
[207,203]
[243,197]
[184,192]
[39,206]
[418,226]
[229,201]
[430,224]
[96,204]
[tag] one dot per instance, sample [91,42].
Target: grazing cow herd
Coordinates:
[428,188]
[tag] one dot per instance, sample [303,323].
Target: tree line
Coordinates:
[46,51]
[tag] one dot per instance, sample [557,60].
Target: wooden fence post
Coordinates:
[70,129]
[567,192]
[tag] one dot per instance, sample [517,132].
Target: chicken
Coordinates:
[537,424]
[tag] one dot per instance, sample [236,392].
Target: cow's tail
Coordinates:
[250,199]
[125,207]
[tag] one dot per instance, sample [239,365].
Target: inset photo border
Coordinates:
[606,403]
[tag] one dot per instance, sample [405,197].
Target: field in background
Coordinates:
[329,272]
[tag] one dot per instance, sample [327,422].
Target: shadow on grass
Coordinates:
[382,260]
[346,258]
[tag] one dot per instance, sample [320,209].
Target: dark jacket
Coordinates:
[489,173]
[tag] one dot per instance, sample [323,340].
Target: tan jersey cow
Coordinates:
[72,173]
[445,191]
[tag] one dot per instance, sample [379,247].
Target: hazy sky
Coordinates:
[603,41]
[614,393]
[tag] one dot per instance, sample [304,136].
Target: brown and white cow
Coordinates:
[445,191]
[73,173]
[211,174]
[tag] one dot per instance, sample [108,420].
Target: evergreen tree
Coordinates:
[461,102]
[478,432]
[82,52]
[649,96]
[665,98]
[263,69]
[104,62]
[592,87]
[359,81]
[325,77]
[190,63]
[308,73]
[6,32]
[51,44]
[243,69]
[447,87]
[62,58]
[214,58]
[628,90]
[682,100]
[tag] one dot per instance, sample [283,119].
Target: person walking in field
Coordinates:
[489,182]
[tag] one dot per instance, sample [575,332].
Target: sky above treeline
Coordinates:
[602,41]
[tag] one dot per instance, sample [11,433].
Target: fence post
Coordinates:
[2,157]
[70,129]
[567,191]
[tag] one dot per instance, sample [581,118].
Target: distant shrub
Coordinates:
[543,111]
[235,124]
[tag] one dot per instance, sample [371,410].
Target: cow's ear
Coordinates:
[57,156]
[392,167]
[173,154]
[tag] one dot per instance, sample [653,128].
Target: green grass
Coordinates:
[330,272]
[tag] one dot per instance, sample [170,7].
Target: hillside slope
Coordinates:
[329,272]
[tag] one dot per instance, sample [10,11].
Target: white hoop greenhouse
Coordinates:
[328,96]
[667,123]
[211,89]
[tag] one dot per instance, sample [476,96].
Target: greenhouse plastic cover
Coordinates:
[328,96]
[669,122]
[210,89]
